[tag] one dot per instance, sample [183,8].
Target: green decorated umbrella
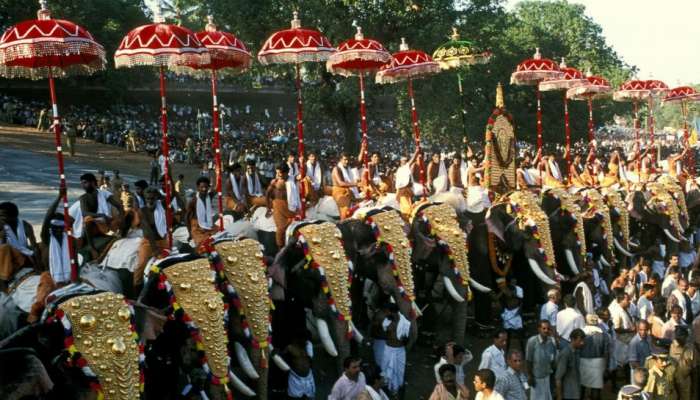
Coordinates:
[457,54]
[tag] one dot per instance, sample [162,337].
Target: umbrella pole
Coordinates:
[538,94]
[363,126]
[165,153]
[217,147]
[567,134]
[62,179]
[591,134]
[416,133]
[651,128]
[463,109]
[636,133]
[300,135]
[690,161]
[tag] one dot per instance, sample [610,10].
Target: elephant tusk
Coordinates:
[416,309]
[325,336]
[621,248]
[478,286]
[244,361]
[673,238]
[356,333]
[535,267]
[451,290]
[239,385]
[309,347]
[572,262]
[280,363]
[604,261]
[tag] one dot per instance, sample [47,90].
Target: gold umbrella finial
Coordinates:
[43,13]
[211,26]
[296,22]
[500,103]
[359,35]
[455,34]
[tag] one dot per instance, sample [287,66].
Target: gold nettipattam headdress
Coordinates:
[528,213]
[568,204]
[614,199]
[596,205]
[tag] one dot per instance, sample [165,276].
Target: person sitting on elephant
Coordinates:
[454,174]
[313,180]
[351,383]
[344,187]
[300,383]
[371,179]
[477,194]
[417,165]
[93,219]
[17,242]
[612,176]
[437,175]
[254,189]
[282,202]
[152,221]
[236,194]
[55,254]
[200,213]
[525,179]
[553,177]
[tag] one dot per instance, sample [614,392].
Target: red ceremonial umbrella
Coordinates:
[169,47]
[295,46]
[407,65]
[51,48]
[683,95]
[229,56]
[596,87]
[359,57]
[572,77]
[530,73]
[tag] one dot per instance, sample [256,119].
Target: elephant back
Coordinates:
[389,228]
[443,226]
[101,339]
[246,286]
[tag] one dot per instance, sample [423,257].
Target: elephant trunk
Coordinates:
[262,369]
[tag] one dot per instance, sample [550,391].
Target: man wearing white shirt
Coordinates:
[457,356]
[645,305]
[550,309]
[569,319]
[493,357]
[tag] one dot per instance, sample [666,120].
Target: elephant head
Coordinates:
[377,243]
[312,273]
[521,228]
[566,226]
[598,226]
[620,220]
[655,210]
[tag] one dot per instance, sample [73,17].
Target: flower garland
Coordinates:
[406,294]
[614,200]
[177,313]
[529,215]
[75,357]
[325,285]
[497,257]
[233,298]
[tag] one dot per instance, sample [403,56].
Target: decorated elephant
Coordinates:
[620,220]
[442,265]
[598,227]
[376,241]
[567,230]
[311,281]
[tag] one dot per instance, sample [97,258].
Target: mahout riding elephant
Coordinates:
[376,241]
[311,279]
[194,343]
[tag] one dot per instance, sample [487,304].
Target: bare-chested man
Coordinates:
[454,175]
[236,194]
[152,221]
[342,187]
[282,202]
[95,220]
[17,242]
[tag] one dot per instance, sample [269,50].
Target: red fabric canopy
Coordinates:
[571,77]
[407,64]
[295,45]
[682,93]
[228,54]
[594,88]
[358,56]
[535,69]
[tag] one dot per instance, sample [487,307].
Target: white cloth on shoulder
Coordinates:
[76,212]
[160,219]
[314,174]
[24,295]
[253,185]
[374,395]
[19,240]
[59,259]
[236,186]
[403,176]
[293,199]
[587,298]
[440,183]
[205,213]
[477,199]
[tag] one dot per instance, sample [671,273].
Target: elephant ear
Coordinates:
[494,221]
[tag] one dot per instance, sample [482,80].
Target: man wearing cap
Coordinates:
[662,373]
[686,356]
[594,357]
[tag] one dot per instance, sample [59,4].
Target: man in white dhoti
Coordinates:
[623,324]
[593,357]
[17,242]
[540,354]
[397,329]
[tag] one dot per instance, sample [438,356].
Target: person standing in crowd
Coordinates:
[686,356]
[71,134]
[679,296]
[550,309]
[448,388]
[635,391]
[393,365]
[456,355]
[568,373]
[493,357]
[675,320]
[351,383]
[624,327]
[568,319]
[484,380]
[513,385]
[155,170]
[645,304]
[662,384]
[541,351]
[300,382]
[373,389]
[594,357]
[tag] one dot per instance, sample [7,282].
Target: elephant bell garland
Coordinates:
[568,205]
[388,228]
[100,338]
[676,191]
[528,213]
[327,256]
[614,200]
[192,284]
[442,223]
[595,203]
[665,202]
[242,267]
